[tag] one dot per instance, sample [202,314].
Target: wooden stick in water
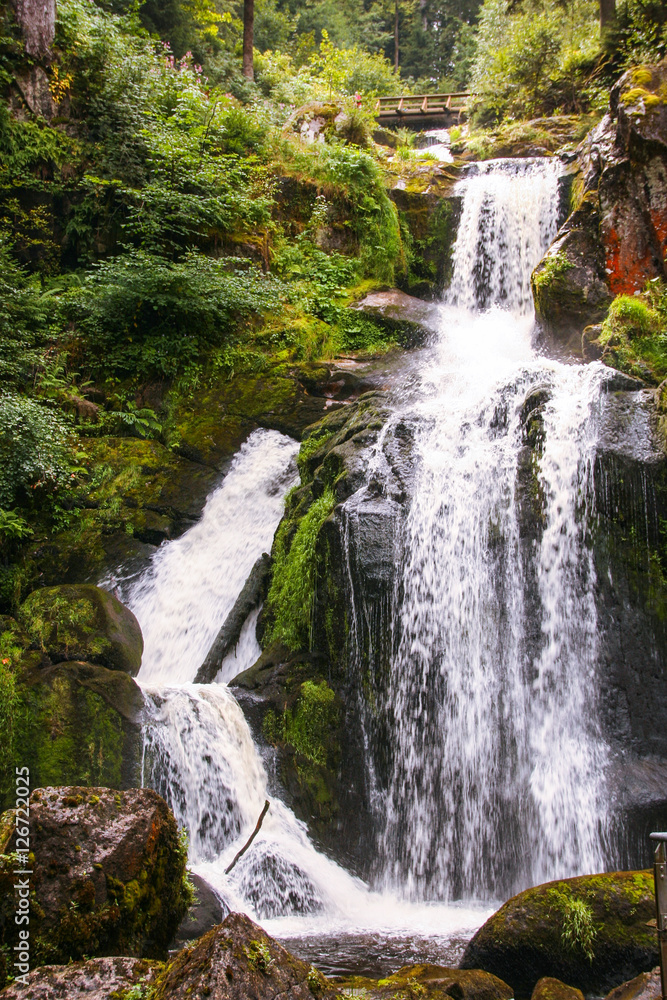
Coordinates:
[250,838]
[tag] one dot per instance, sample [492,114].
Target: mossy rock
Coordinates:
[592,931]
[238,960]
[432,982]
[646,986]
[111,880]
[552,989]
[115,978]
[83,622]
[77,723]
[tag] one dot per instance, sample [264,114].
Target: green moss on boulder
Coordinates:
[548,988]
[111,880]
[433,982]
[592,931]
[83,622]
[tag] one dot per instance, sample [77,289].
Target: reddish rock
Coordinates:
[108,874]
[616,239]
[646,986]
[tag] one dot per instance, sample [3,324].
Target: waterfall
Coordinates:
[495,780]
[200,755]
[485,759]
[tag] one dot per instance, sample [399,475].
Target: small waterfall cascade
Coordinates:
[192,583]
[199,752]
[496,762]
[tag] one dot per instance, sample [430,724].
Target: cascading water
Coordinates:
[199,752]
[496,768]
[491,776]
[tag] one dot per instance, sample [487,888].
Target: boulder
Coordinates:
[590,931]
[77,724]
[412,319]
[205,911]
[552,989]
[645,986]
[238,960]
[616,238]
[97,979]
[83,622]
[439,981]
[110,879]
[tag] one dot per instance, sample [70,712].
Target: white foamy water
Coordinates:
[496,780]
[193,582]
[200,755]
[494,771]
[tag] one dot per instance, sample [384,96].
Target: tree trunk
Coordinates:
[37,20]
[248,32]
[607,23]
[396,37]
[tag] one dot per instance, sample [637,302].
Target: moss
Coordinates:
[633,336]
[311,447]
[68,735]
[309,726]
[551,273]
[290,599]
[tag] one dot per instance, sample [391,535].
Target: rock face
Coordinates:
[590,931]
[238,960]
[307,682]
[37,19]
[616,238]
[83,622]
[97,979]
[79,723]
[111,878]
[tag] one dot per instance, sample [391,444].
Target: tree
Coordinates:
[37,19]
[607,22]
[248,31]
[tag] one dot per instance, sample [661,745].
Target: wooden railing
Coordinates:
[421,104]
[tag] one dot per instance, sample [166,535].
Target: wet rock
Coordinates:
[616,238]
[434,981]
[96,979]
[111,878]
[433,223]
[552,989]
[83,622]
[609,937]
[205,912]
[591,350]
[412,317]
[253,592]
[569,284]
[238,960]
[646,986]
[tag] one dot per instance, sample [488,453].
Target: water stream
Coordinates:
[494,776]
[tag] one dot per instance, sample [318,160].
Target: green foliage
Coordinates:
[13,526]
[634,334]
[141,314]
[535,58]
[33,448]
[292,589]
[26,321]
[578,931]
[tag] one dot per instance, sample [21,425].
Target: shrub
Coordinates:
[141,314]
[33,448]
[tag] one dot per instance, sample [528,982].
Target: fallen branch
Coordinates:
[250,838]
